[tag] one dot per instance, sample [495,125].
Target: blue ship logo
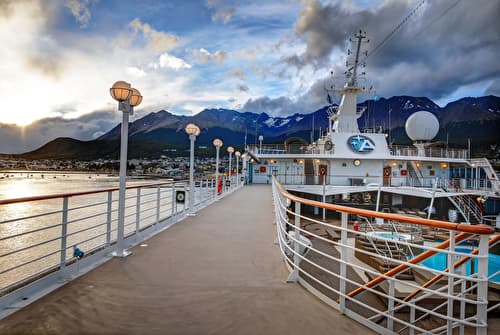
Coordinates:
[360,143]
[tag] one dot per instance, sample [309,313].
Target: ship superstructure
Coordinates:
[345,160]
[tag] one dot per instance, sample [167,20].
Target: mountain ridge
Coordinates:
[479,118]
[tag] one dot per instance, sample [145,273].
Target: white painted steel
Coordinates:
[315,271]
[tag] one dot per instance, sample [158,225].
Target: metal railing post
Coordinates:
[390,305]
[412,317]
[482,286]
[138,214]
[343,259]
[64,231]
[294,276]
[451,282]
[108,218]
[185,193]
[174,201]
[158,189]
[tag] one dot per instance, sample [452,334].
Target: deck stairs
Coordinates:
[389,249]
[468,207]
[309,171]
[415,174]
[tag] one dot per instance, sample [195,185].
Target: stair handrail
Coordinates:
[369,238]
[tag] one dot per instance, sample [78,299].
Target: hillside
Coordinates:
[157,133]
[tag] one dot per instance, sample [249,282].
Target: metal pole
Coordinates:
[378,198]
[217,171]
[294,276]
[230,171]
[120,249]
[64,230]
[108,218]
[482,286]
[192,138]
[343,260]
[429,212]
[138,215]
[324,198]
[451,283]
[237,170]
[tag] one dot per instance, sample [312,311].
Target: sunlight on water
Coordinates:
[86,226]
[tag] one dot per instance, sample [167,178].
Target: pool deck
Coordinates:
[215,273]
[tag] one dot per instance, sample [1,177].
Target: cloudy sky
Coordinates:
[59,57]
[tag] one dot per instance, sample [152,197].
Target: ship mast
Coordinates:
[346,119]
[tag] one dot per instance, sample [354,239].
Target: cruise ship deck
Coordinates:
[214,273]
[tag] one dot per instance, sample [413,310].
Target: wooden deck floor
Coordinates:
[215,273]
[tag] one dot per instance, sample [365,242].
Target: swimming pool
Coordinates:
[390,236]
[439,262]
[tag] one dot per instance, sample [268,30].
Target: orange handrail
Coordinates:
[401,267]
[466,228]
[437,277]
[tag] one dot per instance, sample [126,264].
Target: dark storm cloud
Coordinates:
[310,101]
[89,126]
[494,88]
[445,45]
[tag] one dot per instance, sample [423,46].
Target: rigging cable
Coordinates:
[395,30]
[438,17]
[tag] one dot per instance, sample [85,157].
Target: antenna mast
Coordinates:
[360,36]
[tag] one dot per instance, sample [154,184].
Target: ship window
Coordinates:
[344,164]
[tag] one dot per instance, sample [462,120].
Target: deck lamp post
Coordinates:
[237,154]
[230,150]
[244,163]
[128,98]
[192,130]
[217,143]
[261,138]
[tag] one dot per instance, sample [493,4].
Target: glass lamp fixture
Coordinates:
[192,129]
[217,143]
[121,91]
[230,150]
[135,97]
[237,154]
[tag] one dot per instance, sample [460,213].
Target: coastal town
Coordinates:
[163,167]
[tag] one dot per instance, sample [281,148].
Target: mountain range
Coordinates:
[162,133]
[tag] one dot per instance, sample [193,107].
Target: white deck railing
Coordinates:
[395,150]
[330,261]
[39,235]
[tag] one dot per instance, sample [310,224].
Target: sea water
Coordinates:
[45,243]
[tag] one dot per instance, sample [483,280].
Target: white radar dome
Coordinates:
[422,126]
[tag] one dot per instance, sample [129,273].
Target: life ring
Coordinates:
[180,196]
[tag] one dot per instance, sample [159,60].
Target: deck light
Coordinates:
[121,91]
[230,150]
[217,143]
[192,130]
[237,154]
[128,98]
[357,162]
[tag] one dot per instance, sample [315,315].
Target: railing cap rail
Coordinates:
[480,229]
[74,194]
